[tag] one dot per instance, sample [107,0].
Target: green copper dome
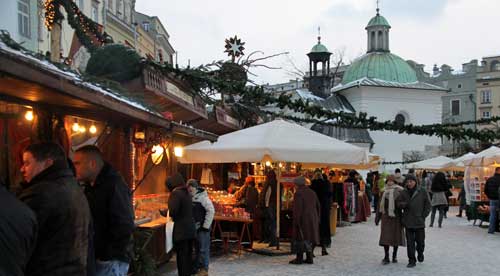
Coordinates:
[378,20]
[319,48]
[382,66]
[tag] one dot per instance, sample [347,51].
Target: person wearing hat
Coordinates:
[391,229]
[416,206]
[306,214]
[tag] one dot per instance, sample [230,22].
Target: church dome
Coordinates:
[319,48]
[378,20]
[382,66]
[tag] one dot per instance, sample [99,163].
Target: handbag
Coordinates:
[169,233]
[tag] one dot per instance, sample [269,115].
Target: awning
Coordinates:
[435,163]
[486,157]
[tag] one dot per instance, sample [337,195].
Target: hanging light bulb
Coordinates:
[268,163]
[29,115]
[93,129]
[82,129]
[75,127]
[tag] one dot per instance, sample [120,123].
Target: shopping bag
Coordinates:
[169,232]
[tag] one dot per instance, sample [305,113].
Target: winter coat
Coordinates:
[416,207]
[269,187]
[461,196]
[111,206]
[322,189]
[18,232]
[181,210]
[439,199]
[64,219]
[252,197]
[201,198]
[492,186]
[391,228]
[306,214]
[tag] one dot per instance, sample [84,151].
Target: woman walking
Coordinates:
[391,229]
[322,189]
[439,201]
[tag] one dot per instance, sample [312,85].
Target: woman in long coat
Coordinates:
[439,200]
[306,212]
[391,229]
[322,189]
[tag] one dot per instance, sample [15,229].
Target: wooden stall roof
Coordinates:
[28,80]
[219,122]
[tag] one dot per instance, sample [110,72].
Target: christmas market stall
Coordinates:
[280,144]
[477,171]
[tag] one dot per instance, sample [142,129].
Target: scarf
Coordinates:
[389,194]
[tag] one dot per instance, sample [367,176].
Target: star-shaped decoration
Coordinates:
[234,47]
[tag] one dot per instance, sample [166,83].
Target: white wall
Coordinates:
[9,22]
[419,106]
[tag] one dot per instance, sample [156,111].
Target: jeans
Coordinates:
[202,249]
[441,209]
[184,251]
[415,237]
[493,216]
[111,268]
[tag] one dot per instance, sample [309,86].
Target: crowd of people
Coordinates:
[56,226]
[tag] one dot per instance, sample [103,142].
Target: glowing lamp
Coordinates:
[29,115]
[178,151]
[82,129]
[75,127]
[93,129]
[157,154]
[268,163]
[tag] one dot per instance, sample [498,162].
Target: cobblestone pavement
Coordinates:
[456,249]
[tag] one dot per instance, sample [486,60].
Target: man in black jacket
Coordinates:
[416,206]
[111,206]
[61,209]
[18,230]
[491,191]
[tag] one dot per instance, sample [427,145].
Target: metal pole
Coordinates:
[278,204]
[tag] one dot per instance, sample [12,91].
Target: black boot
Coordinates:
[386,260]
[298,260]
[395,255]
[323,251]
[309,258]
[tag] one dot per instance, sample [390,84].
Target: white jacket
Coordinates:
[201,197]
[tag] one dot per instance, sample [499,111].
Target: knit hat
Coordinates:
[410,177]
[300,181]
[390,178]
[193,183]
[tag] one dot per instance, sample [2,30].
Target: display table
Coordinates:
[216,226]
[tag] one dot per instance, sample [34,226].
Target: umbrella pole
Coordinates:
[278,204]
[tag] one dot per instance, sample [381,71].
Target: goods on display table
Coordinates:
[224,205]
[146,206]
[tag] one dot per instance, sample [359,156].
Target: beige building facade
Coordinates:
[153,39]
[488,89]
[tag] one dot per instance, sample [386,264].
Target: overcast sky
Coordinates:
[428,31]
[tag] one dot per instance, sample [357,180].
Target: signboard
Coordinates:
[174,90]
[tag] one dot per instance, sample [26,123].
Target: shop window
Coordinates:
[23,17]
[485,96]
[455,107]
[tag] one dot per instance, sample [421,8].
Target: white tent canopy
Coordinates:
[275,141]
[459,163]
[486,157]
[435,163]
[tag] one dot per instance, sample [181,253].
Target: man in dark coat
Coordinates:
[491,191]
[111,206]
[18,231]
[321,187]
[306,213]
[181,211]
[416,206]
[61,209]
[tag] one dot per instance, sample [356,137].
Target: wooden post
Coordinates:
[55,42]
[278,209]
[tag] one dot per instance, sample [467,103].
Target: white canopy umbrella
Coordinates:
[459,163]
[435,163]
[277,141]
[486,157]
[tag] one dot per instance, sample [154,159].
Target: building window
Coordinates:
[95,11]
[145,26]
[41,23]
[495,66]
[79,4]
[485,96]
[400,119]
[486,115]
[23,17]
[110,5]
[459,85]
[119,7]
[455,107]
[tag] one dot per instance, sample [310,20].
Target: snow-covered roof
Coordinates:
[383,83]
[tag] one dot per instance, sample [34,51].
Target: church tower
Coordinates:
[319,80]
[378,34]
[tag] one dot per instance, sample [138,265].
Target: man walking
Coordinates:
[491,191]
[111,207]
[416,206]
[62,212]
